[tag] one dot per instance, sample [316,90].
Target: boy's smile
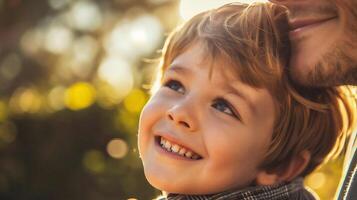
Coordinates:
[204,131]
[176,149]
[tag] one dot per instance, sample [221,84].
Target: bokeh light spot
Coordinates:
[31,41]
[135,101]
[94,161]
[117,42]
[79,61]
[145,34]
[26,100]
[117,72]
[58,4]
[117,148]
[30,101]
[79,96]
[85,49]
[56,98]
[189,8]
[107,96]
[86,16]
[136,38]
[316,180]
[58,39]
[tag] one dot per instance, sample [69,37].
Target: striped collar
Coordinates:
[284,191]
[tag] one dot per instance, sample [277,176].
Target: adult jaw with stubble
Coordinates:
[324,48]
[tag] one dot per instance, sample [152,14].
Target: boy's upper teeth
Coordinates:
[175,148]
[182,151]
[188,154]
[167,145]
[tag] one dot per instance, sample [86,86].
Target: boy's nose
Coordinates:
[182,116]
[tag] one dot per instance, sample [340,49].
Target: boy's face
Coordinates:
[217,128]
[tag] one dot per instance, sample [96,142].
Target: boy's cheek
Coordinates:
[150,115]
[145,123]
[154,109]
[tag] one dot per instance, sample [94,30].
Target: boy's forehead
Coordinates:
[198,56]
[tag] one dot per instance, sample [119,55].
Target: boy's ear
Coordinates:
[286,173]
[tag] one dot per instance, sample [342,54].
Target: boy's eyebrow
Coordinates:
[179,69]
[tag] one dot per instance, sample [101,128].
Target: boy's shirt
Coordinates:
[286,191]
[348,186]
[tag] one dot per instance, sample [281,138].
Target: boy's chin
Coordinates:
[184,187]
[172,187]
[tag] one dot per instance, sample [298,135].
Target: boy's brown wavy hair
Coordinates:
[254,39]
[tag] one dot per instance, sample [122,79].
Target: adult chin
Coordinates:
[334,68]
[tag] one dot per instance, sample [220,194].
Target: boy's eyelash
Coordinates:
[169,82]
[229,105]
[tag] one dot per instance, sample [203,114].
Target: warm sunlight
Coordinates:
[189,8]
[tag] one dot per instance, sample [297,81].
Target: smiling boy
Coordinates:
[190,113]
[225,122]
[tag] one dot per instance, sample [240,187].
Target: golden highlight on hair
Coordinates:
[254,40]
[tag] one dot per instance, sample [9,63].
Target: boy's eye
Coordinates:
[175,85]
[223,106]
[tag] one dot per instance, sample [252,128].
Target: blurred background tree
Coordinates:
[73,80]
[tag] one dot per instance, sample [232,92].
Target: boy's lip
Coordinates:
[175,140]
